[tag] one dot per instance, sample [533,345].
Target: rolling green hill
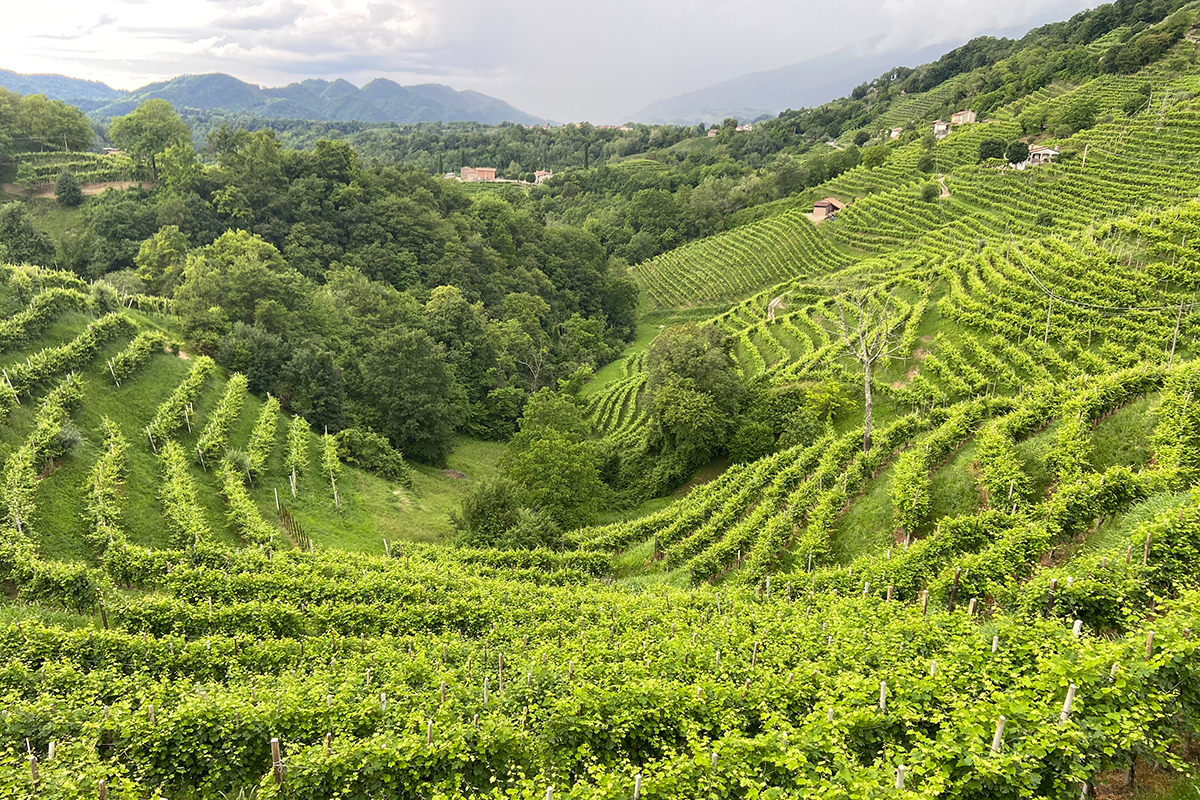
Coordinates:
[995,599]
[372,509]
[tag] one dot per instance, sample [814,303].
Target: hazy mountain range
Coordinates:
[381,100]
[805,84]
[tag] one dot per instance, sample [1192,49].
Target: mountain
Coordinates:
[381,100]
[85,94]
[802,85]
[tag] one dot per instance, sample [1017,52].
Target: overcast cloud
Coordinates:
[555,58]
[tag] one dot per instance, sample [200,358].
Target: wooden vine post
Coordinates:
[277,760]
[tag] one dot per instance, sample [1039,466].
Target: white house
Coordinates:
[1039,154]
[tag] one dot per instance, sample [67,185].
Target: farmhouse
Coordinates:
[962,118]
[940,128]
[824,209]
[894,133]
[1039,154]
[477,174]
[542,175]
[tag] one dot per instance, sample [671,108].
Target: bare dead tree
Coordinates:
[870,329]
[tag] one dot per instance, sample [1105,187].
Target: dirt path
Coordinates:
[47,189]
[945,189]
[771,306]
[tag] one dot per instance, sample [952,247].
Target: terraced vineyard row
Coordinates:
[731,264]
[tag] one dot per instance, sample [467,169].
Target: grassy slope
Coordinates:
[373,509]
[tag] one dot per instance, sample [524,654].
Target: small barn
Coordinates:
[824,209]
[940,128]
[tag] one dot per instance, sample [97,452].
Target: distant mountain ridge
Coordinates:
[381,100]
[805,84]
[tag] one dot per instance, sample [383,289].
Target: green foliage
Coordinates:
[161,258]
[44,444]
[488,512]
[104,491]
[26,324]
[50,362]
[930,192]
[554,465]
[331,463]
[67,191]
[243,514]
[33,122]
[991,148]
[262,437]
[367,450]
[408,393]
[296,449]
[143,346]
[148,131]
[44,168]
[1176,439]
[173,413]
[21,242]
[184,516]
[214,439]
[1017,152]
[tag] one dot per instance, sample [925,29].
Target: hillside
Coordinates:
[371,509]
[926,509]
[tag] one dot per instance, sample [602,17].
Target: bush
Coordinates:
[367,450]
[991,148]
[1017,152]
[488,511]
[67,191]
[930,192]
[925,164]
[861,138]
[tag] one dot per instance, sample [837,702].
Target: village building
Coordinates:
[894,133]
[941,129]
[477,174]
[747,128]
[962,118]
[541,176]
[1039,154]
[829,207]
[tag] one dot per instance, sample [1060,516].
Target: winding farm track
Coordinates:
[47,189]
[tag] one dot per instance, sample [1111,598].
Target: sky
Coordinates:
[560,59]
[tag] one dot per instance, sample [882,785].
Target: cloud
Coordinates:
[569,60]
[261,17]
[79,33]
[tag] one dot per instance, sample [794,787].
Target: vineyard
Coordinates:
[40,169]
[203,596]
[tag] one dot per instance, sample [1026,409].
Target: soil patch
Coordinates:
[47,189]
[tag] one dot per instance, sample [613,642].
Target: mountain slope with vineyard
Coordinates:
[996,599]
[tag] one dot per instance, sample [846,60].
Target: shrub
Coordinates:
[1017,152]
[67,191]
[367,450]
[930,192]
